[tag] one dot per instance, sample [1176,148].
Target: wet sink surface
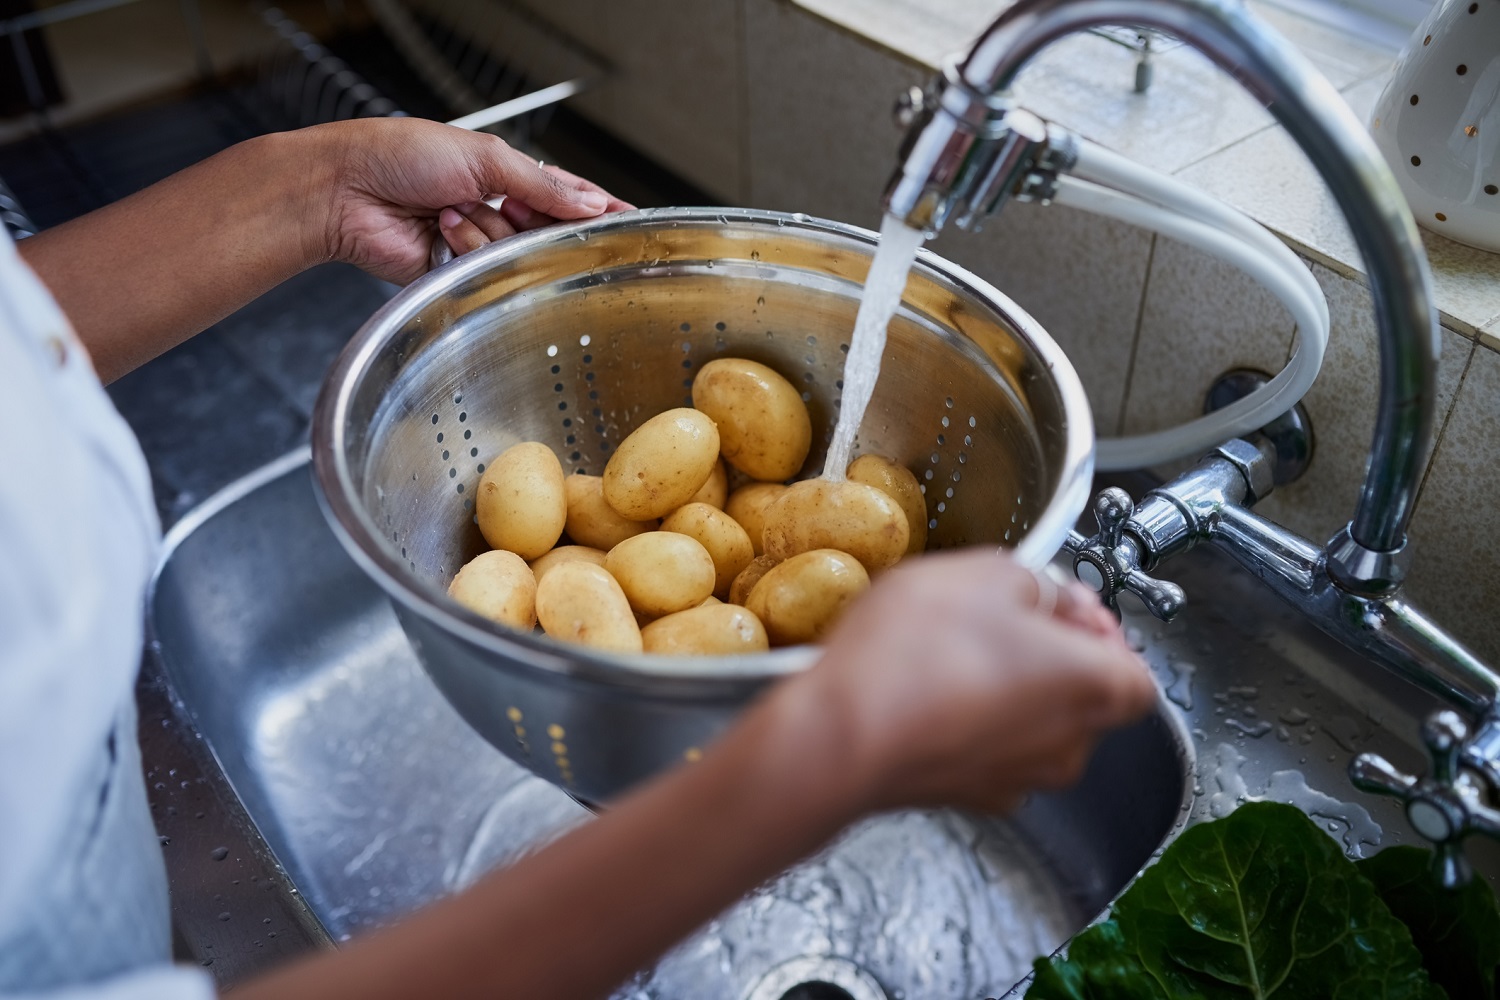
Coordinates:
[374,797]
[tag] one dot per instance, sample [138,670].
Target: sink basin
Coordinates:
[343,791]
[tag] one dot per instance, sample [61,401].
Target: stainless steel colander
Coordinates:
[576,334]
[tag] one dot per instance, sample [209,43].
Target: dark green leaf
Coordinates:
[1259,904]
[1457,932]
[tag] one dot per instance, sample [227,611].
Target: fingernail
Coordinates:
[593,201]
[449,218]
[467,207]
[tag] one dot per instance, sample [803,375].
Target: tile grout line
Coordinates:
[1135,342]
[1437,440]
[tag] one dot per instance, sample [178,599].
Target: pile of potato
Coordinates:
[662,557]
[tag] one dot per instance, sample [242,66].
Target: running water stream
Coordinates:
[883,287]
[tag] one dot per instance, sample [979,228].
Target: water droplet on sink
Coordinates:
[1254,732]
[1294,717]
[219,853]
[224,916]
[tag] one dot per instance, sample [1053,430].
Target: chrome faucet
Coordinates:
[969,149]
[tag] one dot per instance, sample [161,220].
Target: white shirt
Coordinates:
[78,538]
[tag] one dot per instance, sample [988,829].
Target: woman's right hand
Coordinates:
[948,684]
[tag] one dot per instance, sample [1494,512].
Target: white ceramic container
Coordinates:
[1438,122]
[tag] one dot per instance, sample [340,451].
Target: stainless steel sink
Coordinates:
[345,791]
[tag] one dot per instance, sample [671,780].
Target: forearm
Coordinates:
[582,915]
[145,273]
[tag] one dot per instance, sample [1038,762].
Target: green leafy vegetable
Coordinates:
[1458,932]
[1259,904]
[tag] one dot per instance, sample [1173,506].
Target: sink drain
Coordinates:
[817,979]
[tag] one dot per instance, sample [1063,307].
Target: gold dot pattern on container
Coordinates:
[556,732]
[513,714]
[1471,130]
[692,755]
[559,748]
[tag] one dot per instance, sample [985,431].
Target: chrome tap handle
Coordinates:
[1110,560]
[1444,807]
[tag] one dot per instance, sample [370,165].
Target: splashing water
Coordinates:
[883,288]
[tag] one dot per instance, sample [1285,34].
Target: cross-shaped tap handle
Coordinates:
[1444,807]
[1110,560]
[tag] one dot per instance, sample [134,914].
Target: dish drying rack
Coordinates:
[487,64]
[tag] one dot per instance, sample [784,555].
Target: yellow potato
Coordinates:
[849,517]
[720,534]
[748,504]
[500,586]
[800,599]
[716,490]
[521,504]
[661,464]
[900,484]
[716,630]
[593,522]
[565,553]
[763,424]
[710,601]
[581,603]
[740,589]
[662,572]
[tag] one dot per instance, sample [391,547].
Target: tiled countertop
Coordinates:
[1197,124]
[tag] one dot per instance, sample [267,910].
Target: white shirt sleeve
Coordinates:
[156,983]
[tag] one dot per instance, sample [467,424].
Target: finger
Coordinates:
[523,217]
[583,183]
[487,220]
[461,234]
[516,175]
[1106,684]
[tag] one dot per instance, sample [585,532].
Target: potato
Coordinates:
[662,572]
[900,484]
[720,534]
[581,603]
[849,517]
[764,428]
[716,630]
[500,586]
[710,601]
[565,553]
[739,590]
[800,599]
[661,464]
[593,522]
[716,490]
[748,504]
[522,504]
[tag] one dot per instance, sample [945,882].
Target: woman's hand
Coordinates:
[950,686]
[401,183]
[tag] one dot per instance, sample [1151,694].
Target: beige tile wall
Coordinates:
[1148,323]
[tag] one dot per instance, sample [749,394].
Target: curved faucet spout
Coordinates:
[1367,557]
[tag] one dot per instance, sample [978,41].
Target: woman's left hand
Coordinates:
[400,183]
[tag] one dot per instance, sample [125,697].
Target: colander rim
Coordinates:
[690,677]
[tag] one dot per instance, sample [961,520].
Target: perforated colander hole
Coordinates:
[932,525]
[963,458]
[973,422]
[468,434]
[480,468]
[685,328]
[551,350]
[445,454]
[557,369]
[584,340]
[434,419]
[440,437]
[948,402]
[928,476]
[949,493]
[844,348]
[942,506]
[941,440]
[462,416]
[945,421]
[457,398]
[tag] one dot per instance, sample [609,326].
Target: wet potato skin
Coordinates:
[763,423]
[850,517]
[800,599]
[661,464]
